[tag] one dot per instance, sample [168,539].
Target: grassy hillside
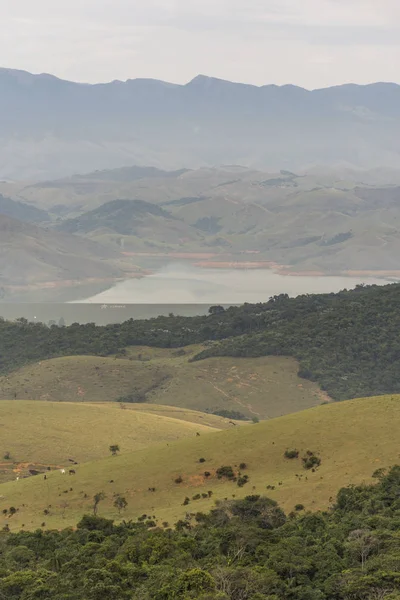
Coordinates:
[263,387]
[352,439]
[83,378]
[46,434]
[38,257]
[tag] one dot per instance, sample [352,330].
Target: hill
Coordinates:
[38,435]
[205,122]
[262,387]
[119,216]
[325,222]
[33,258]
[22,211]
[243,549]
[346,342]
[135,220]
[351,439]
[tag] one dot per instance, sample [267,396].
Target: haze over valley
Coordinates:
[81,235]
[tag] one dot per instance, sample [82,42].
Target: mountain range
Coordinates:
[51,128]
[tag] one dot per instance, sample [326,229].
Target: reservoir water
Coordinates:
[181,290]
[180,284]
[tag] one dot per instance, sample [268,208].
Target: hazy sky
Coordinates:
[312,43]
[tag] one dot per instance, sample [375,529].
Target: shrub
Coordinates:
[242,480]
[196,497]
[291,453]
[299,507]
[186,501]
[242,466]
[179,352]
[226,472]
[135,397]
[114,449]
[311,461]
[255,419]
[231,414]
[179,479]
[202,460]
[7,455]
[379,473]
[207,474]
[150,524]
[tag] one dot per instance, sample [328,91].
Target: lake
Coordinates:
[182,290]
[180,284]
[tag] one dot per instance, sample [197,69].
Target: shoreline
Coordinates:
[102,285]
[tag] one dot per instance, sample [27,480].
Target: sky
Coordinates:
[311,43]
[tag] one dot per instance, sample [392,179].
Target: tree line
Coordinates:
[242,550]
[347,342]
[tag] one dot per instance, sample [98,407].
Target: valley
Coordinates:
[129,224]
[199,300]
[154,422]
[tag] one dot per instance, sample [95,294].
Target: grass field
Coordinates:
[351,438]
[82,378]
[46,434]
[263,387]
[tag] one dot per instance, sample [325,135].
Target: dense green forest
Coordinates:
[243,550]
[347,342]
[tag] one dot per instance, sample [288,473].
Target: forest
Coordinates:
[242,550]
[347,342]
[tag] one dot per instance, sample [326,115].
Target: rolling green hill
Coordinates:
[263,387]
[83,378]
[38,435]
[351,439]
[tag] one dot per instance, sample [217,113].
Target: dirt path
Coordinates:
[235,399]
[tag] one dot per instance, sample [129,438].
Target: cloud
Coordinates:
[309,42]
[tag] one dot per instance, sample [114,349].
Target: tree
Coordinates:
[120,503]
[114,449]
[216,310]
[97,498]
[362,543]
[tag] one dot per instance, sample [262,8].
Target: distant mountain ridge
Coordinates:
[52,128]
